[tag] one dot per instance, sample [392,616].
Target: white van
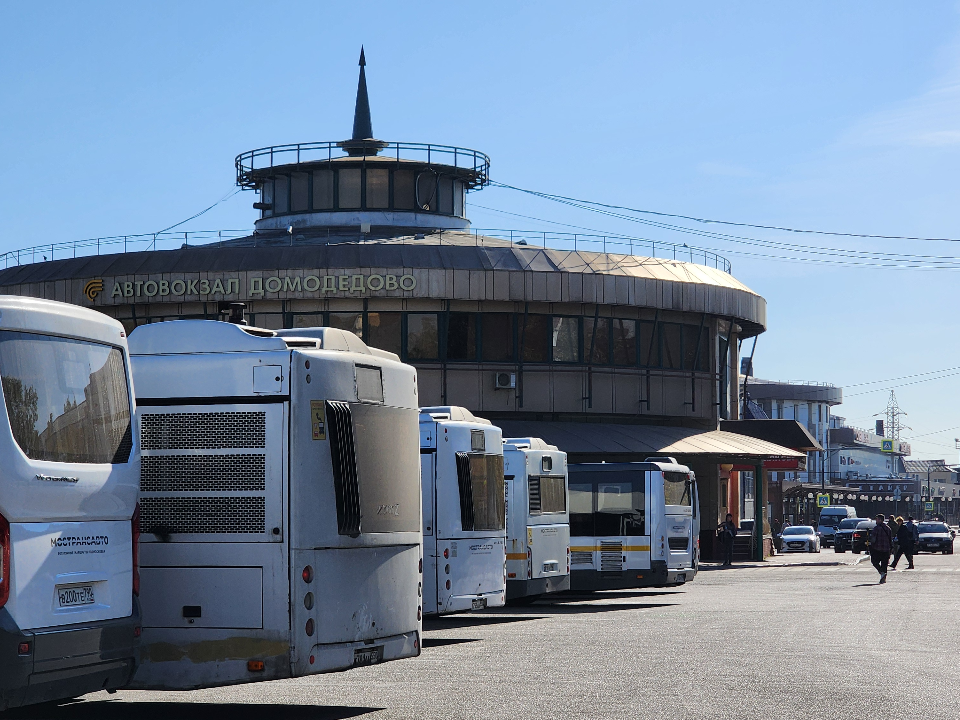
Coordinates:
[830,518]
[69,615]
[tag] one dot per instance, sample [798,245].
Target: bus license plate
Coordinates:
[480,604]
[71,596]
[368,656]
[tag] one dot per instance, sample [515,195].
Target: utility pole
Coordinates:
[894,425]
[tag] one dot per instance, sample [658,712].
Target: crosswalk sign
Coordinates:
[823,500]
[886,446]
[928,506]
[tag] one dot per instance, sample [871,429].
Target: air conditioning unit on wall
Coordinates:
[505,381]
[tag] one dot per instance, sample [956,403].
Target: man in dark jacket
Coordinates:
[881,543]
[728,531]
[906,543]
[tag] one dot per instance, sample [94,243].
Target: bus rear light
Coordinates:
[135,537]
[446,553]
[446,568]
[421,566]
[511,575]
[309,627]
[255,665]
[4,561]
[419,614]
[568,560]
[529,563]
[312,659]
[307,574]
[448,584]
[23,648]
[137,631]
[416,642]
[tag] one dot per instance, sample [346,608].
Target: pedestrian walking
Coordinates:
[727,532]
[906,544]
[881,542]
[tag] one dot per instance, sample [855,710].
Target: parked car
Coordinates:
[860,540]
[935,537]
[800,538]
[843,536]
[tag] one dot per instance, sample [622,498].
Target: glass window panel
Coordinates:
[299,192]
[446,195]
[624,342]
[269,321]
[458,198]
[670,346]
[427,191]
[703,362]
[281,195]
[599,338]
[352,322]
[581,510]
[266,197]
[677,489]
[649,354]
[422,337]
[378,188]
[383,331]
[66,399]
[349,179]
[323,189]
[535,337]
[308,320]
[496,337]
[486,476]
[462,336]
[404,196]
[566,339]
[691,336]
[553,495]
[620,508]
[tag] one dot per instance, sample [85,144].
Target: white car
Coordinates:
[800,538]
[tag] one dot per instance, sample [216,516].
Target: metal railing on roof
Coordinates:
[249,163]
[496,237]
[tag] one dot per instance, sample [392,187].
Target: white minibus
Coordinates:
[633,525]
[461,468]
[69,616]
[280,504]
[538,524]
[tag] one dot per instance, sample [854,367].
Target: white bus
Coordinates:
[633,524]
[538,524]
[280,504]
[69,616]
[461,469]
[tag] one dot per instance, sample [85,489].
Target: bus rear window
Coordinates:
[607,506]
[66,399]
[481,491]
[547,495]
[676,489]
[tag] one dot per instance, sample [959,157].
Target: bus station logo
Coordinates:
[93,288]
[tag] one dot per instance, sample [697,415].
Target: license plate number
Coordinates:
[480,604]
[72,596]
[368,656]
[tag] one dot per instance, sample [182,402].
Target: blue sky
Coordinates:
[120,118]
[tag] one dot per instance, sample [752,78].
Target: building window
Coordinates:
[461,336]
[383,331]
[458,198]
[695,351]
[266,197]
[378,188]
[596,340]
[624,342]
[299,192]
[269,321]
[422,336]
[308,320]
[349,188]
[670,346]
[649,348]
[281,195]
[566,339]
[445,193]
[404,194]
[535,338]
[351,322]
[496,337]
[323,189]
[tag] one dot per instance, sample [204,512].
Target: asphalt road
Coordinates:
[796,637]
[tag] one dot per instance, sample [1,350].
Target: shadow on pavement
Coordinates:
[570,596]
[442,642]
[451,622]
[561,609]
[118,710]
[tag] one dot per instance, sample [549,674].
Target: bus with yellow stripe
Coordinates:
[633,525]
[538,524]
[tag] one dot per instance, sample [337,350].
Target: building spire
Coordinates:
[362,125]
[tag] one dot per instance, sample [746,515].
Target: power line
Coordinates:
[551,196]
[194,217]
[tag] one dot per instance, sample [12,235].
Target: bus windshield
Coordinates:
[610,505]
[676,489]
[66,399]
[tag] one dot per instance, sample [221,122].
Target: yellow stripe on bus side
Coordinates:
[516,556]
[597,548]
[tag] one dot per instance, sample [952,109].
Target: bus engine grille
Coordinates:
[343,455]
[207,431]
[678,543]
[579,557]
[168,515]
[611,556]
[242,472]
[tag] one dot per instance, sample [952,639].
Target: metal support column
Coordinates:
[759,511]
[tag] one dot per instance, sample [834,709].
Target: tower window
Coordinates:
[323,189]
[299,192]
[349,189]
[445,201]
[281,195]
[378,188]
[404,195]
